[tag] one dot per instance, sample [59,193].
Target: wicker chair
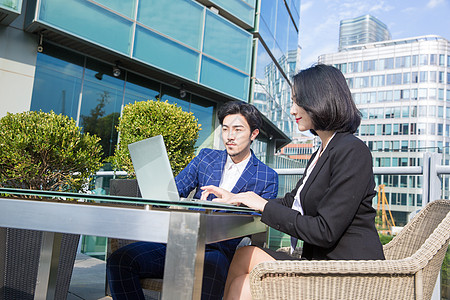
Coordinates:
[413,261]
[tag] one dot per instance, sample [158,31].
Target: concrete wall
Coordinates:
[18,51]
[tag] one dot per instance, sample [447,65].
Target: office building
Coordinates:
[402,88]
[362,30]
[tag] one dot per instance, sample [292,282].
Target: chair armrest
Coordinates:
[334,279]
[404,266]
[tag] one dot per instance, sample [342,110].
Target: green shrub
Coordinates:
[46,151]
[384,238]
[144,119]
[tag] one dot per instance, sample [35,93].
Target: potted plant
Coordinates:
[144,119]
[42,151]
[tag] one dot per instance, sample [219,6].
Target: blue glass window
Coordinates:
[178,19]
[80,17]
[140,89]
[15,5]
[57,83]
[242,9]
[165,54]
[124,7]
[227,42]
[223,78]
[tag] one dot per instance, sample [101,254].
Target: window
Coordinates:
[423,59]
[414,77]
[441,94]
[422,111]
[404,129]
[350,82]
[388,63]
[413,94]
[354,67]
[415,60]
[432,94]
[441,78]
[440,129]
[364,113]
[405,111]
[406,78]
[431,111]
[388,95]
[440,112]
[423,76]
[422,93]
[432,76]
[395,131]
[404,94]
[412,128]
[387,129]
[431,129]
[442,59]
[405,147]
[403,62]
[369,65]
[377,80]
[388,113]
[421,129]
[433,60]
[403,183]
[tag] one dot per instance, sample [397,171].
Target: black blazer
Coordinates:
[338,220]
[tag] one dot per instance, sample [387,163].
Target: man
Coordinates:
[235,169]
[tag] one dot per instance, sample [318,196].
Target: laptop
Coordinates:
[153,171]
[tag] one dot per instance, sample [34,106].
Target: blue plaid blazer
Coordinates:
[207,167]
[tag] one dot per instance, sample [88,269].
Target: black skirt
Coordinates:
[278,255]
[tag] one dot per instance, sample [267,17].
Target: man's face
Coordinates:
[237,137]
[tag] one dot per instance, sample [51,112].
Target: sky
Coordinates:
[319,21]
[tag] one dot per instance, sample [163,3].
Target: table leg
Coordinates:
[48,266]
[2,261]
[183,271]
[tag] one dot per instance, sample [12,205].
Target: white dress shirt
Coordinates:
[232,172]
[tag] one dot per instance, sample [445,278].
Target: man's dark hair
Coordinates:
[323,93]
[250,113]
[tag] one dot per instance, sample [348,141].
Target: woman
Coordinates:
[331,207]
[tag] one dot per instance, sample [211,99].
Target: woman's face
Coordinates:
[302,118]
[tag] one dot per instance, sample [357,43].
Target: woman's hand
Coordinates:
[249,199]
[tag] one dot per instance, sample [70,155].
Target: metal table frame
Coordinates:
[185,231]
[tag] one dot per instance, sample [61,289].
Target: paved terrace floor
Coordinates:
[88,280]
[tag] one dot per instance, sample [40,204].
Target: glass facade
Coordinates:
[362,30]
[12,5]
[152,32]
[86,90]
[242,9]
[278,31]
[9,10]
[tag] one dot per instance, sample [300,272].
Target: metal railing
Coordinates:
[431,171]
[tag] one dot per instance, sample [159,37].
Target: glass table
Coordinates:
[186,226]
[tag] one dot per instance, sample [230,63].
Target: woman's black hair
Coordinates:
[323,93]
[250,113]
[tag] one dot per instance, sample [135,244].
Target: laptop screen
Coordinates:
[153,171]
